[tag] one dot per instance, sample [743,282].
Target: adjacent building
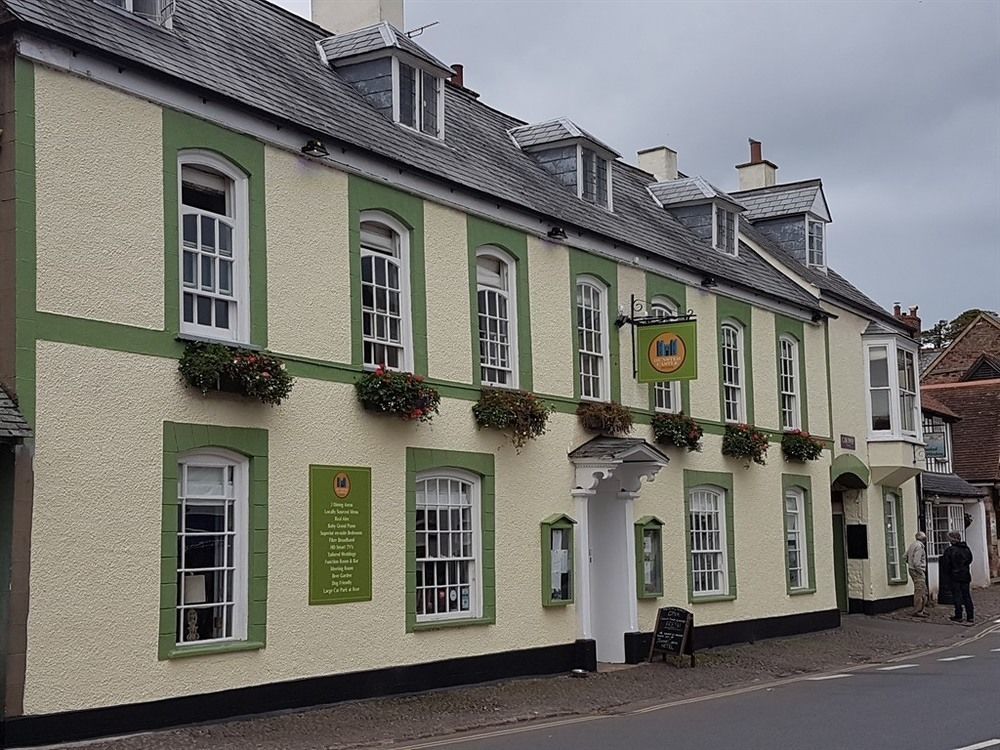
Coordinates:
[332,195]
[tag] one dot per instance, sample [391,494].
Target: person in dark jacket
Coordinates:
[956,562]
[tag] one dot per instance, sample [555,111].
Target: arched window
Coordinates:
[796,539]
[733,371]
[667,396]
[788,382]
[448,546]
[385,293]
[212,526]
[592,339]
[709,554]
[496,289]
[215,276]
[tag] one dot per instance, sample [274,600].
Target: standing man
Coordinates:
[916,561]
[957,560]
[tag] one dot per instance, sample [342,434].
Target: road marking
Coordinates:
[995,649]
[981,745]
[956,658]
[828,677]
[897,666]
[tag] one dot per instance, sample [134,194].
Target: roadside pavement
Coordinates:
[383,722]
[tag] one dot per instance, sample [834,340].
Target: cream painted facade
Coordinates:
[97,577]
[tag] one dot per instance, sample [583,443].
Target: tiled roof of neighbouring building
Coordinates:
[976,438]
[13,426]
[257,55]
[947,485]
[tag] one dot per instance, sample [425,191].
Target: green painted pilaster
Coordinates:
[365,195]
[730,309]
[724,481]
[606,272]
[25,258]
[514,243]
[419,460]
[253,443]
[183,132]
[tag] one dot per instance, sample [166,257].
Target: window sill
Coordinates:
[801,592]
[442,624]
[190,337]
[900,582]
[657,595]
[709,598]
[209,649]
[558,603]
[893,438]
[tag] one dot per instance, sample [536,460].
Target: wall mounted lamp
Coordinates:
[314,147]
[709,281]
[557,233]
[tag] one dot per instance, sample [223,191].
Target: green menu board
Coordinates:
[340,534]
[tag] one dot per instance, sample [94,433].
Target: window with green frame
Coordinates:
[649,557]
[557,560]
[894,542]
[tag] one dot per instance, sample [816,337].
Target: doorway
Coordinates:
[839,551]
[612,576]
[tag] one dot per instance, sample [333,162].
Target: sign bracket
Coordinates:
[639,316]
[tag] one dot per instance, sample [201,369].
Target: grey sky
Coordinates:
[895,105]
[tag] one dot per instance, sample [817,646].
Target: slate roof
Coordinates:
[257,55]
[616,449]
[784,199]
[927,356]
[976,439]
[553,131]
[374,38]
[13,427]
[947,485]
[672,192]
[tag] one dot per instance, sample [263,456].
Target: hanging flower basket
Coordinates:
[217,367]
[800,446]
[607,417]
[522,415]
[679,430]
[746,442]
[402,394]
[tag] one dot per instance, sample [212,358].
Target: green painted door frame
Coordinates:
[840,560]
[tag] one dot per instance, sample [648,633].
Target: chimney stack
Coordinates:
[758,172]
[659,161]
[459,77]
[909,319]
[341,16]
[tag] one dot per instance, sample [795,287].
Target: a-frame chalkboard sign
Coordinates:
[673,633]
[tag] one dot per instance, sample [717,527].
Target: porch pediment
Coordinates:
[629,460]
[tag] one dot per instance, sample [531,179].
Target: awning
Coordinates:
[13,427]
[941,486]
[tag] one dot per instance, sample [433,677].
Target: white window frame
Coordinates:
[810,249]
[715,230]
[239,324]
[418,84]
[937,538]
[796,497]
[476,571]
[895,432]
[789,394]
[510,294]
[604,354]
[741,364]
[580,148]
[217,457]
[406,305]
[890,517]
[722,549]
[663,307]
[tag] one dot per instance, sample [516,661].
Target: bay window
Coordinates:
[892,384]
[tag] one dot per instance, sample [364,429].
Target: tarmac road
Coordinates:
[948,699]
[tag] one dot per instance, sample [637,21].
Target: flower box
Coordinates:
[746,442]
[521,415]
[229,369]
[401,394]
[798,445]
[606,417]
[678,430]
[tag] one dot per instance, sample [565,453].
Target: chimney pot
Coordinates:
[659,161]
[897,309]
[459,78]
[755,157]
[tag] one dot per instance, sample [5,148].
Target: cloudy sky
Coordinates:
[895,105]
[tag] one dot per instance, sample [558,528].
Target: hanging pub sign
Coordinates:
[667,351]
[340,534]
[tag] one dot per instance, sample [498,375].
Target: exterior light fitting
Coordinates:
[314,147]
[709,281]
[557,233]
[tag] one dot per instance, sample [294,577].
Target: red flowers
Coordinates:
[400,393]
[677,429]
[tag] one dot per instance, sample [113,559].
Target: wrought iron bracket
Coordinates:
[639,316]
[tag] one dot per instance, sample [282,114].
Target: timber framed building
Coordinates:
[223,170]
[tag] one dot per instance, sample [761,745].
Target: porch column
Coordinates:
[581,499]
[629,498]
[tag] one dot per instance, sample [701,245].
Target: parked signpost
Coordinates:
[673,633]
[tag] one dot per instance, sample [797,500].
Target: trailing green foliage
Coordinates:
[800,446]
[608,417]
[520,414]
[402,394]
[745,441]
[677,429]
[217,367]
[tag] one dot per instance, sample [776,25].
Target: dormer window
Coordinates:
[576,159]
[157,11]
[395,75]
[724,238]
[817,255]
